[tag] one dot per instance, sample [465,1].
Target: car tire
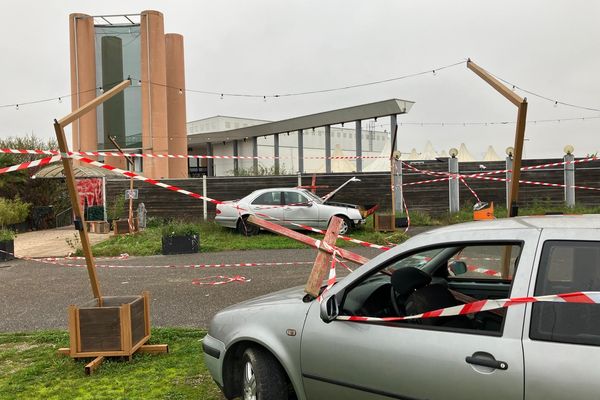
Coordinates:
[263,377]
[346,226]
[246,228]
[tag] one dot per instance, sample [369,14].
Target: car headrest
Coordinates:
[405,280]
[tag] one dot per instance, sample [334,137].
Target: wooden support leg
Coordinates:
[154,348]
[64,351]
[93,365]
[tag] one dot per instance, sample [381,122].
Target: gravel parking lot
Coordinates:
[35,296]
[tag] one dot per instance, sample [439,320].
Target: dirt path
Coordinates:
[51,242]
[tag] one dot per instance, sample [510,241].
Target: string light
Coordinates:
[180,91]
[60,100]
[434,73]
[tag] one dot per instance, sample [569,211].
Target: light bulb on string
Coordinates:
[17,107]
[555,103]
[264,99]
[434,73]
[221,96]
[180,91]
[59,100]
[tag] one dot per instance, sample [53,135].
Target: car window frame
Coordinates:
[535,281]
[302,204]
[263,193]
[461,244]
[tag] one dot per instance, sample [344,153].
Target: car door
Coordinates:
[269,204]
[350,360]
[561,342]
[299,209]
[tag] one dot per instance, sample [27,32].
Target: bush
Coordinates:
[180,229]
[117,208]
[11,212]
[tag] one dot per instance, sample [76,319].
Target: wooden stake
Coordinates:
[131,164]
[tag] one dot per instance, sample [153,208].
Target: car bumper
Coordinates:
[214,353]
[359,222]
[227,222]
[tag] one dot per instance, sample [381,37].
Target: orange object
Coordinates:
[485,213]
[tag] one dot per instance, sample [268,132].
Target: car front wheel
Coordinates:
[246,228]
[346,225]
[263,377]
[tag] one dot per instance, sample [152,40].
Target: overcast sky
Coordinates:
[275,46]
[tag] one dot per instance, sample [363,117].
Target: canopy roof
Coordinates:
[350,114]
[56,171]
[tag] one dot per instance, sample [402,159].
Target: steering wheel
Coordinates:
[394,301]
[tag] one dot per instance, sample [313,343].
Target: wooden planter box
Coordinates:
[121,226]
[98,227]
[119,327]
[180,244]
[8,250]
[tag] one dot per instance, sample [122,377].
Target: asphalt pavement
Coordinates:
[35,296]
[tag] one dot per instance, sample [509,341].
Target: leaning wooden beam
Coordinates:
[495,83]
[93,365]
[323,260]
[521,103]
[270,226]
[80,224]
[94,103]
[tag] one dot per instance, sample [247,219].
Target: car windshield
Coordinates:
[419,260]
[312,196]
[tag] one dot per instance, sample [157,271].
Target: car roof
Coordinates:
[585,221]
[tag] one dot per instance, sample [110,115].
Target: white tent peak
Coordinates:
[463,154]
[491,155]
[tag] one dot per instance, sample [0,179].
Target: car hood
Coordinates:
[285,296]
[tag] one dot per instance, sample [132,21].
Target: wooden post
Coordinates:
[59,127]
[521,103]
[131,164]
[146,296]
[92,366]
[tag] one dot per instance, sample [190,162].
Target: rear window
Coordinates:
[567,266]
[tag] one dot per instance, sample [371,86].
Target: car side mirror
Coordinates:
[457,267]
[329,309]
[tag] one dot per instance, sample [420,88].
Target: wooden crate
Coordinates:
[121,226]
[98,227]
[117,327]
[384,222]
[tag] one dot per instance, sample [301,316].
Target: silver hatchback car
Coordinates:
[287,345]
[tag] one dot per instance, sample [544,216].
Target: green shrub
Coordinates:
[11,212]
[6,234]
[180,229]
[117,207]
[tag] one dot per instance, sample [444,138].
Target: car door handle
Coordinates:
[477,359]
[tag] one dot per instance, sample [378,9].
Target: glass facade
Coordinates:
[118,56]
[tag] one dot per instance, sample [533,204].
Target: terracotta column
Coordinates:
[154,94]
[83,80]
[176,117]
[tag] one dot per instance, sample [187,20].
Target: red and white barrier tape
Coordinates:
[123,256]
[222,280]
[489,178]
[133,175]
[30,164]
[152,155]
[470,189]
[486,305]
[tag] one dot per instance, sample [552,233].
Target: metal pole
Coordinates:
[276,152]
[509,165]
[205,203]
[453,185]
[300,151]
[236,162]
[328,149]
[299,178]
[255,154]
[210,163]
[569,180]
[398,200]
[358,132]
[130,164]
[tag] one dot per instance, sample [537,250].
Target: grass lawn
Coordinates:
[31,369]
[214,237]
